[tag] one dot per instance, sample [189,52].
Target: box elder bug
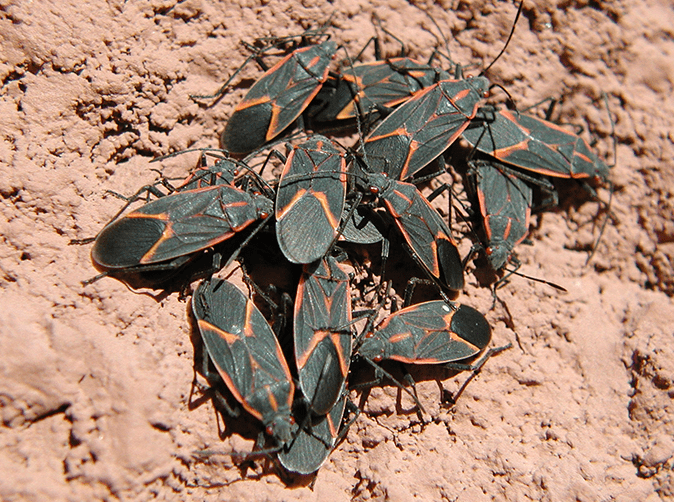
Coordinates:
[428,333]
[540,146]
[536,145]
[322,334]
[278,98]
[423,127]
[505,202]
[163,233]
[426,234]
[380,85]
[435,332]
[246,354]
[426,125]
[310,200]
[505,199]
[375,85]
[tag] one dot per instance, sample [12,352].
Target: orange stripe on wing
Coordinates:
[319,336]
[401,131]
[456,338]
[247,328]
[399,337]
[344,359]
[236,392]
[248,103]
[504,153]
[282,211]
[228,338]
[323,201]
[167,234]
[271,398]
[275,126]
[511,117]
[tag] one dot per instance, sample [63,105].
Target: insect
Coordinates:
[164,234]
[278,98]
[425,232]
[505,201]
[371,86]
[247,355]
[428,333]
[535,144]
[322,335]
[435,332]
[540,146]
[375,86]
[423,127]
[310,200]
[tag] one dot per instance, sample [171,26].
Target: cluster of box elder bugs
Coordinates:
[290,368]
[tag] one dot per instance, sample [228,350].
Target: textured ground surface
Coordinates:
[94,381]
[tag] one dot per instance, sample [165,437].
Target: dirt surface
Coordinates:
[95,380]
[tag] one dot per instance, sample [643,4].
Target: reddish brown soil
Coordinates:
[94,381]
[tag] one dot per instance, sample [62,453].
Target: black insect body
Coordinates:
[247,355]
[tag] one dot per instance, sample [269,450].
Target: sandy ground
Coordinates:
[95,380]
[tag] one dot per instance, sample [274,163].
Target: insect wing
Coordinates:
[362,227]
[582,162]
